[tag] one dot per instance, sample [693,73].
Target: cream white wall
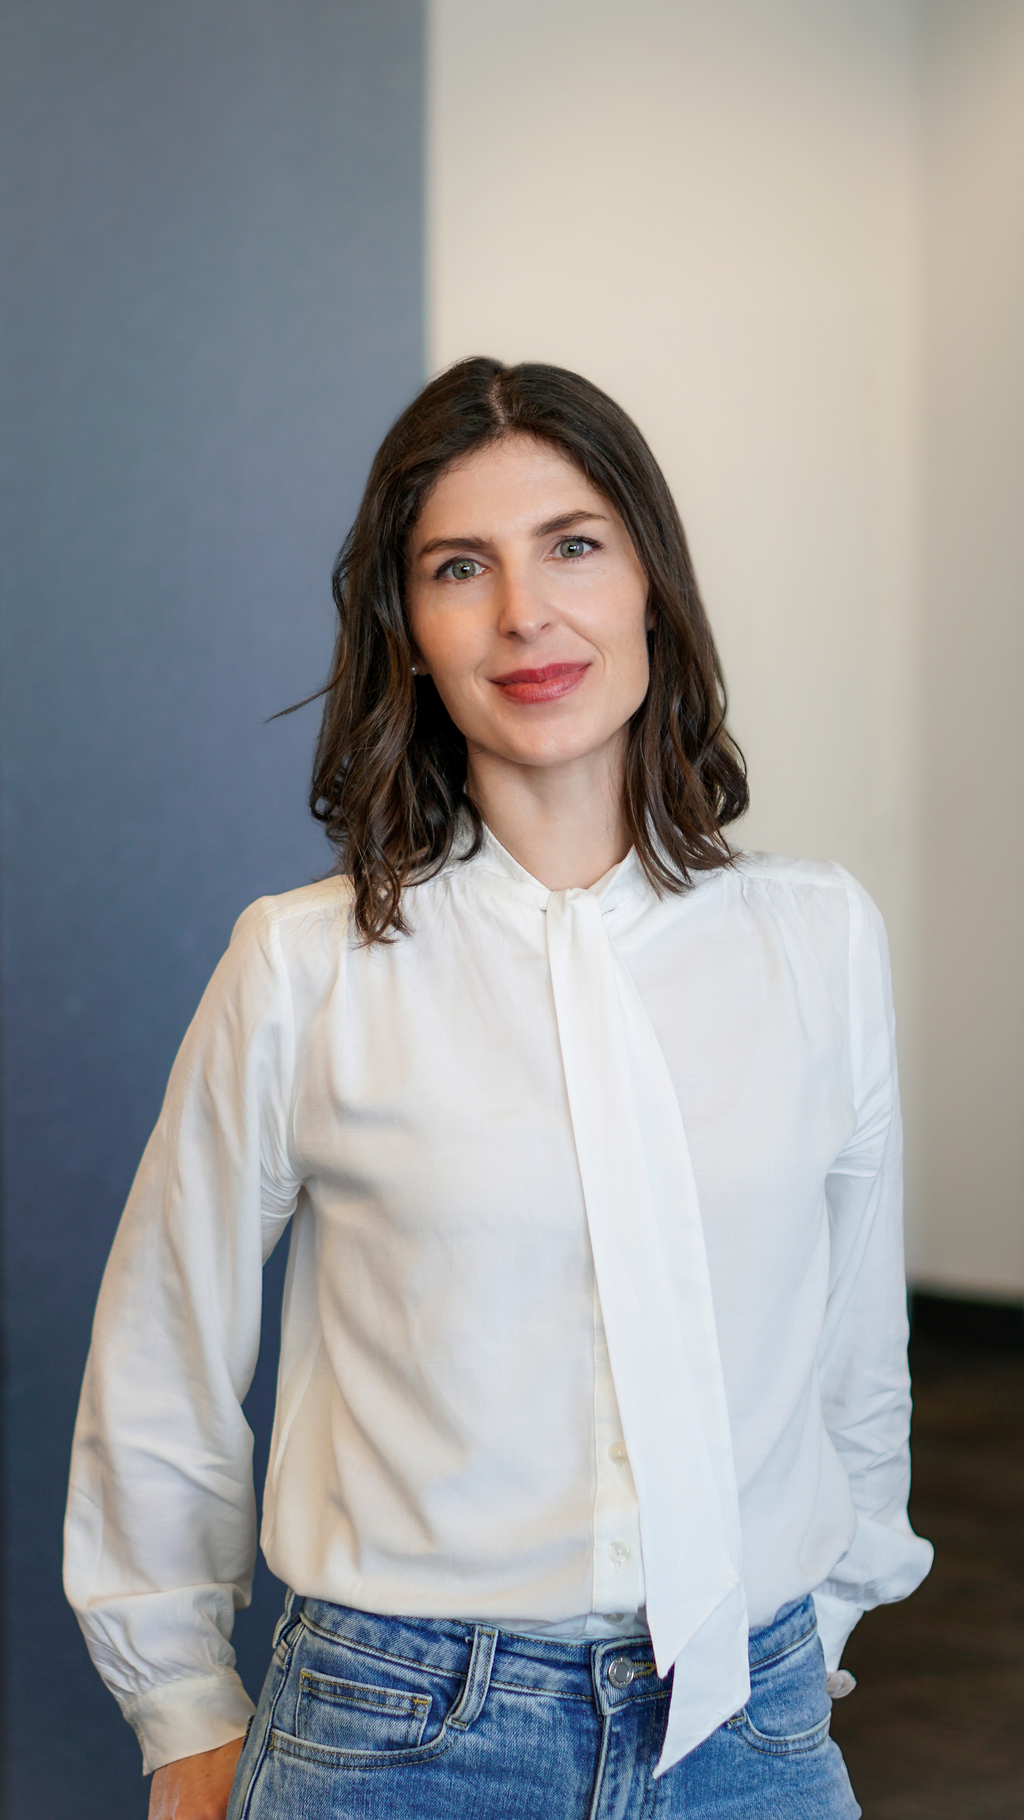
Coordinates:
[720,213]
[970,1143]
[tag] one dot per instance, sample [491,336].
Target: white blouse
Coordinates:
[594,1304]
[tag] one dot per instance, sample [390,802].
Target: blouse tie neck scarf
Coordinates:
[652,1278]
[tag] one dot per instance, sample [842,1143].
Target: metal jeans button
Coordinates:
[621,1671]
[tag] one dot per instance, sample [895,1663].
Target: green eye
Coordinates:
[573,546]
[463,570]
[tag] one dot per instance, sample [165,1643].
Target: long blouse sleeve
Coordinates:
[161,1520]
[864,1377]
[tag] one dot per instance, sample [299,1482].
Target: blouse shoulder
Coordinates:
[293,915]
[297,946]
[826,876]
[812,887]
[779,870]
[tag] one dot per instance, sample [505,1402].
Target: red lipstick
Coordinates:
[545,684]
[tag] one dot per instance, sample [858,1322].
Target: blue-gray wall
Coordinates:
[213,309]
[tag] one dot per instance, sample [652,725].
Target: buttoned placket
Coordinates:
[618,1588]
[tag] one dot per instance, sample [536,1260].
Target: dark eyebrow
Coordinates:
[567,520]
[547,529]
[453,543]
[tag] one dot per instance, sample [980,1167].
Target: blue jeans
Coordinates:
[370,1718]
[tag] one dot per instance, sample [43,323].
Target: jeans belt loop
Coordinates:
[287,1617]
[478,1679]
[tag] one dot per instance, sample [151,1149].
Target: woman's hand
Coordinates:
[195,1788]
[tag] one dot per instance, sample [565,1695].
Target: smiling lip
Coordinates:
[546,684]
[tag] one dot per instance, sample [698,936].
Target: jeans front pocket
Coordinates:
[789,1709]
[378,1703]
[358,1715]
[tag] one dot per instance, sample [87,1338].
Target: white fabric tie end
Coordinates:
[655,1292]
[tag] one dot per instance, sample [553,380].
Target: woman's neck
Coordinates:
[563,823]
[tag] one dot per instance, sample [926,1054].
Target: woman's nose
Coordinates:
[522,610]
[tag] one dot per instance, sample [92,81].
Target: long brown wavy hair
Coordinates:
[389,777]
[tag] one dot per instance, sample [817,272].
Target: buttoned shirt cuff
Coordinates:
[180,1718]
[836,1620]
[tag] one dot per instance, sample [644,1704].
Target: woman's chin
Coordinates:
[549,750]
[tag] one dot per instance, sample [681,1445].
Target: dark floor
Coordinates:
[935,1728]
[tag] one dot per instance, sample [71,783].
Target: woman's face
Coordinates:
[528,606]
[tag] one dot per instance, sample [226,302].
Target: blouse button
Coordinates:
[618,1453]
[618,1552]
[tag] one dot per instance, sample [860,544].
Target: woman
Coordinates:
[591,1433]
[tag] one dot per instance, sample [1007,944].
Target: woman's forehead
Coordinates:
[508,481]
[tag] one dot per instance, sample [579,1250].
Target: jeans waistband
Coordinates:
[572,1667]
